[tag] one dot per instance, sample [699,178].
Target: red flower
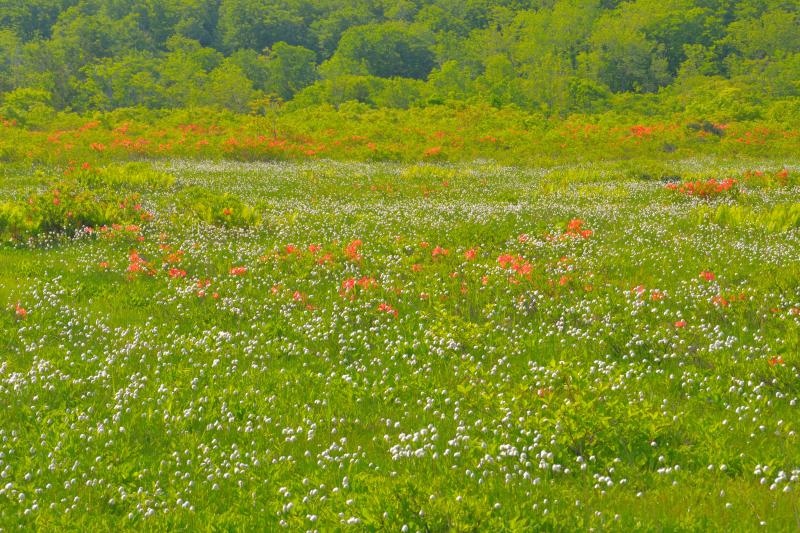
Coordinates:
[777,360]
[720,301]
[574,225]
[175,273]
[386,308]
[366,282]
[505,259]
[430,152]
[708,275]
[238,271]
[352,250]
[470,254]
[680,324]
[20,311]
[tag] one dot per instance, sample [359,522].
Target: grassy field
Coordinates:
[346,346]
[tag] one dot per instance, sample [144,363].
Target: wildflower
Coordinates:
[522,267]
[680,324]
[720,301]
[352,250]
[386,308]
[238,271]
[176,273]
[227,211]
[708,275]
[366,282]
[574,225]
[470,254]
[20,311]
[776,360]
[137,264]
[505,259]
[103,264]
[657,296]
[439,251]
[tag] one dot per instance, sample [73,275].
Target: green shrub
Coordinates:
[217,209]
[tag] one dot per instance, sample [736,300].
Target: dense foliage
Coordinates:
[724,59]
[355,131]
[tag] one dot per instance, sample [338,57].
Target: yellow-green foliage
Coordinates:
[68,206]
[423,173]
[217,209]
[781,217]
[15,219]
[133,176]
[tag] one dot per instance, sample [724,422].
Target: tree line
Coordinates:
[723,57]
